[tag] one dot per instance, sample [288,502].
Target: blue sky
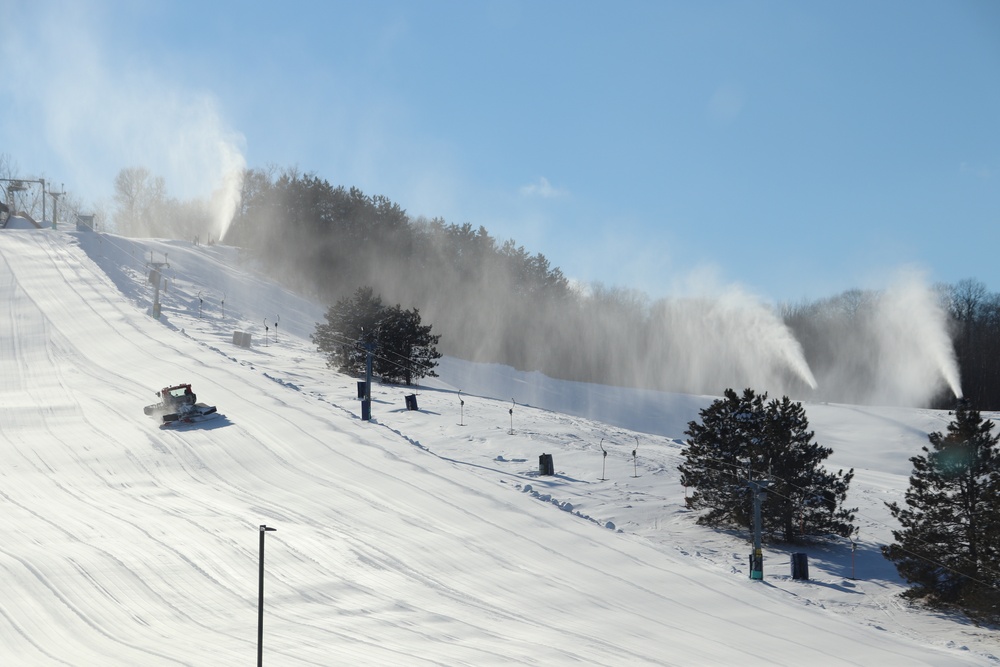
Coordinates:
[796,148]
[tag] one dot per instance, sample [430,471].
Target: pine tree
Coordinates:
[404,349]
[804,498]
[948,545]
[405,346]
[720,457]
[350,323]
[743,438]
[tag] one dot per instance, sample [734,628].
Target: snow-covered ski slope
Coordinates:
[420,538]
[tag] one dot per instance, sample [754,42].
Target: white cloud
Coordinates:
[542,188]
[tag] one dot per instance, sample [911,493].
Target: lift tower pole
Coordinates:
[759,491]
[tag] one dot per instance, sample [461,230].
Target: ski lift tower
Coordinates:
[759,491]
[13,187]
[55,205]
[18,185]
[155,269]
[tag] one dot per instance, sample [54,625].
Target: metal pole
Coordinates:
[260,599]
[369,353]
[368,372]
[635,463]
[757,557]
[55,206]
[604,460]
[854,548]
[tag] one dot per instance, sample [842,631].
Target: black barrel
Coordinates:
[800,566]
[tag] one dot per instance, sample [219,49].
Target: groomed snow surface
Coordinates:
[421,537]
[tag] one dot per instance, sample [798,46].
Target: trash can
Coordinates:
[545,465]
[362,386]
[366,410]
[800,566]
[411,402]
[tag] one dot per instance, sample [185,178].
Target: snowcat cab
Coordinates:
[179,404]
[178,395]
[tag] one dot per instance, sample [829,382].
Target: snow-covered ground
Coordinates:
[421,537]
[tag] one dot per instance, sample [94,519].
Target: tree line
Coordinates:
[495,301]
[488,298]
[975,320]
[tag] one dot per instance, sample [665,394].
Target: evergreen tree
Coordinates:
[720,458]
[404,349]
[804,498]
[743,438]
[351,322]
[948,545]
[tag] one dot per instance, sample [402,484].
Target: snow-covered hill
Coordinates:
[420,538]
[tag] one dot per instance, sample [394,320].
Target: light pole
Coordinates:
[260,599]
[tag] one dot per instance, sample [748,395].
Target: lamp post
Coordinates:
[260,599]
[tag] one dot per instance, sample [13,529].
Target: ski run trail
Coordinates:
[421,537]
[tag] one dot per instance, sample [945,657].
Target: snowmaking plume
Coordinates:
[917,356]
[122,114]
[887,347]
[707,344]
[226,198]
